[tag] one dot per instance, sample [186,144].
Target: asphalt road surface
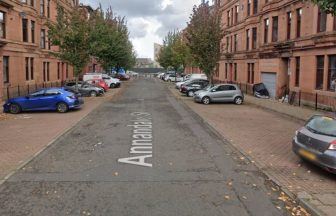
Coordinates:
[181,168]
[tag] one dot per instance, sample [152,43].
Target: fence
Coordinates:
[23,90]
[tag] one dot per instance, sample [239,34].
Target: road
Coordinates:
[182,168]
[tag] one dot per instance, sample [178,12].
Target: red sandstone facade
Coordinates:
[25,51]
[288,44]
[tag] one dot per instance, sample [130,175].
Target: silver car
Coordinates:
[220,93]
[316,142]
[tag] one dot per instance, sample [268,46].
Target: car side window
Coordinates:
[232,88]
[37,94]
[51,92]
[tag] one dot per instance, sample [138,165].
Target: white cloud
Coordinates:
[150,20]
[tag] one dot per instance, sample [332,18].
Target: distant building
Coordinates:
[157,50]
[146,63]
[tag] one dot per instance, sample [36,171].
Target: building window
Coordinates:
[255,6]
[32,3]
[250,73]
[236,13]
[232,21]
[297,71]
[228,18]
[289,25]
[2,25]
[319,72]
[266,27]
[235,42]
[46,71]
[254,38]
[27,68]
[43,39]
[275,28]
[48,8]
[58,70]
[42,10]
[298,22]
[248,39]
[235,72]
[49,43]
[5,69]
[66,70]
[24,30]
[227,43]
[332,73]
[321,21]
[32,29]
[231,44]
[226,70]
[248,7]
[32,68]
[334,27]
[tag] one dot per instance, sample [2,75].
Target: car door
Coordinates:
[216,94]
[227,93]
[49,99]
[33,101]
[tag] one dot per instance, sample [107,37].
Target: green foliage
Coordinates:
[175,53]
[109,40]
[70,34]
[327,5]
[204,34]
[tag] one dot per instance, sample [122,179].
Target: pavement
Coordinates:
[263,131]
[24,135]
[144,153]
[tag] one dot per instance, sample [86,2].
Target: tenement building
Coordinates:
[25,49]
[289,45]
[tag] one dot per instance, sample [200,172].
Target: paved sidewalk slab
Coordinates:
[24,135]
[265,138]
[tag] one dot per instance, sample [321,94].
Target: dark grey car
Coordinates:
[316,142]
[84,88]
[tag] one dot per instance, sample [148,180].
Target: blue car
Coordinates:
[57,99]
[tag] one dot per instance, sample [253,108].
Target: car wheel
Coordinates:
[206,100]
[14,109]
[93,94]
[112,85]
[190,93]
[62,107]
[238,100]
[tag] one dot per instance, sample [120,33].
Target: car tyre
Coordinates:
[93,94]
[113,85]
[238,100]
[14,109]
[190,94]
[62,107]
[206,100]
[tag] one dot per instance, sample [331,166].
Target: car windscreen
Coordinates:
[209,87]
[322,125]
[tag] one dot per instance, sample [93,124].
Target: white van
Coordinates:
[111,82]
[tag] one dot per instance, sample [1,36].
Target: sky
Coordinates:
[149,20]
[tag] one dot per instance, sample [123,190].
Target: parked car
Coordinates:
[167,74]
[110,81]
[160,75]
[85,89]
[191,77]
[193,87]
[173,78]
[220,93]
[121,76]
[316,142]
[57,99]
[98,83]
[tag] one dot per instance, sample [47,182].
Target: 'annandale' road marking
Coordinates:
[142,144]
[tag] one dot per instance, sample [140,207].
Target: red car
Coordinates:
[99,83]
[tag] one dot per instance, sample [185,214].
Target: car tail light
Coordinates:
[332,145]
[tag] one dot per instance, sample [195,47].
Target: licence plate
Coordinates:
[307,154]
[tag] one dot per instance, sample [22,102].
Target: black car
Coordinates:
[193,86]
[84,88]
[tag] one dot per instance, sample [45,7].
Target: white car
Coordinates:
[190,77]
[173,78]
[111,82]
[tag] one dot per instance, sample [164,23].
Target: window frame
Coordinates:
[3,25]
[266,29]
[321,21]
[254,37]
[289,25]
[319,71]
[25,34]
[275,29]
[297,71]
[6,68]
[330,70]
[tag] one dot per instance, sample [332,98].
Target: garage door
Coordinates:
[269,79]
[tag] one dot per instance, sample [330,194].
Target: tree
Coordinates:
[109,40]
[204,34]
[70,34]
[327,5]
[175,53]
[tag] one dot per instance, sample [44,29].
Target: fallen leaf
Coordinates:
[116,173]
[227,197]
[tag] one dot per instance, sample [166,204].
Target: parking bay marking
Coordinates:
[142,142]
